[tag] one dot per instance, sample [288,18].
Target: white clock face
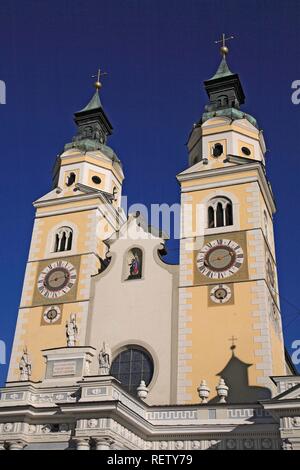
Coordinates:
[220,294]
[219,259]
[57,279]
[52,315]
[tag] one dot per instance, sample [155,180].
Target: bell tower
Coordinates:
[228,275]
[71,222]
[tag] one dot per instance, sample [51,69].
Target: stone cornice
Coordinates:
[111,213]
[262,180]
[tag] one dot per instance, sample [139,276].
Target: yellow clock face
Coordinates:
[220,259]
[57,279]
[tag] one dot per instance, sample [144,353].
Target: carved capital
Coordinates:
[82,443]
[16,445]
[103,443]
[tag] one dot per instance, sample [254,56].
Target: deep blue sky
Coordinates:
[157,54]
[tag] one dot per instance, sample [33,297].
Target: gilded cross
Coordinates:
[224,48]
[98,84]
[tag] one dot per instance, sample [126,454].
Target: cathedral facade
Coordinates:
[174,357]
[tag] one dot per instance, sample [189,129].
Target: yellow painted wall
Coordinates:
[38,337]
[211,329]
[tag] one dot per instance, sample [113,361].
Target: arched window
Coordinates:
[220,215]
[63,239]
[211,217]
[115,193]
[133,264]
[223,101]
[229,215]
[219,212]
[132,366]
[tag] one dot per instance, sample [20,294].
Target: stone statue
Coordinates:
[104,359]
[71,331]
[25,366]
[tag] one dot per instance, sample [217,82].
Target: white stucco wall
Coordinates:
[141,311]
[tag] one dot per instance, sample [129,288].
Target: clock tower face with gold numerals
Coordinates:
[57,279]
[220,259]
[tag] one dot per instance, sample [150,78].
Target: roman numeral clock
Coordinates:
[57,279]
[220,259]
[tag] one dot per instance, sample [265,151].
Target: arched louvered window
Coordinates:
[211,217]
[219,212]
[220,215]
[63,239]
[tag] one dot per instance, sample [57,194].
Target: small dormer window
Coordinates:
[217,150]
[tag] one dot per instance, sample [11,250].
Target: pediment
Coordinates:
[292,393]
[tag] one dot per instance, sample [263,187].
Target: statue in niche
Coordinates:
[135,264]
[104,359]
[25,366]
[71,331]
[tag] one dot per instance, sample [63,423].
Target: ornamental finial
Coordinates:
[224,49]
[97,83]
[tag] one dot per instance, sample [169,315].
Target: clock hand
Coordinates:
[60,277]
[219,258]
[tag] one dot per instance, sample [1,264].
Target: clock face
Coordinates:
[220,294]
[57,279]
[52,315]
[219,259]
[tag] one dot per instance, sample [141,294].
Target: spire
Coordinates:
[94,103]
[93,126]
[225,91]
[223,70]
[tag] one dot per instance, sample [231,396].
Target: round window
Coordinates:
[217,150]
[132,366]
[246,151]
[71,179]
[96,179]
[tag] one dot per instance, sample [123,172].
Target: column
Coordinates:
[82,444]
[16,445]
[103,443]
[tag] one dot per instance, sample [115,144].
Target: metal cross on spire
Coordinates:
[97,83]
[224,48]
